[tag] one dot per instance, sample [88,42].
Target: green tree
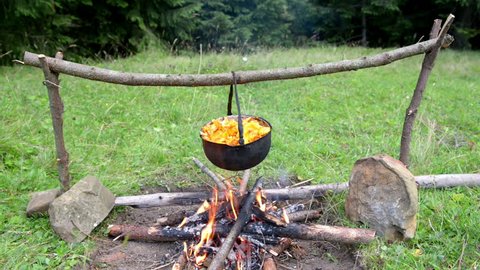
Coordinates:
[87,28]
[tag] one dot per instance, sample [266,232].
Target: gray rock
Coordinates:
[78,211]
[41,201]
[384,195]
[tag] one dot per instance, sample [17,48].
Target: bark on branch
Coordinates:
[56,110]
[313,191]
[184,198]
[427,65]
[127,78]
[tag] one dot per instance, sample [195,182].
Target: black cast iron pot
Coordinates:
[241,157]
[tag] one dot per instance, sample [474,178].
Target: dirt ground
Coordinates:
[132,255]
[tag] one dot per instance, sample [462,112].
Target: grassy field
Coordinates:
[131,137]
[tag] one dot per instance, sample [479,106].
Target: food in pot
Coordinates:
[225,130]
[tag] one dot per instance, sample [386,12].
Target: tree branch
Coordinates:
[126,78]
[427,66]
[56,110]
[220,185]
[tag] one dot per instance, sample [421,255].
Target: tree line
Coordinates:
[103,28]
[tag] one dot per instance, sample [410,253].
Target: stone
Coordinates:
[40,201]
[384,195]
[75,213]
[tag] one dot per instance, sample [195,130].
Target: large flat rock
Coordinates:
[75,213]
[384,195]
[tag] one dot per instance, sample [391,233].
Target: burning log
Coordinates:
[262,215]
[293,230]
[314,232]
[242,220]
[152,234]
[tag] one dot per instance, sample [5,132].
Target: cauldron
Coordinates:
[243,156]
[240,157]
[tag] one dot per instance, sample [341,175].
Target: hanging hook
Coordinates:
[240,124]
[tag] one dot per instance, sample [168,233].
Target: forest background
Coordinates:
[113,28]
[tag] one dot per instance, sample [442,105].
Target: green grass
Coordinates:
[134,136]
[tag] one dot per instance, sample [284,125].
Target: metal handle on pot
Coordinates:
[229,107]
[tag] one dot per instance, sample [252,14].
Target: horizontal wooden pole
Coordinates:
[448,180]
[298,193]
[144,79]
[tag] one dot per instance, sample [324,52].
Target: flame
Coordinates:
[285,216]
[230,197]
[184,221]
[259,196]
[204,207]
[207,233]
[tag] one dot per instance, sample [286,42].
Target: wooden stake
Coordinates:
[427,66]
[56,110]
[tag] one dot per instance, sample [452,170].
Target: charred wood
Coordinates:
[293,230]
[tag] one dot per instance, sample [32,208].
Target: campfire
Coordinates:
[248,251]
[239,229]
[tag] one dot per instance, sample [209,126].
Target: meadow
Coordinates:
[134,137]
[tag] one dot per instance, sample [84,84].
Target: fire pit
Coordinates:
[235,230]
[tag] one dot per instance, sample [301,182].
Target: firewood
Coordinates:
[303,216]
[293,230]
[299,193]
[264,216]
[242,220]
[203,168]
[173,218]
[269,263]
